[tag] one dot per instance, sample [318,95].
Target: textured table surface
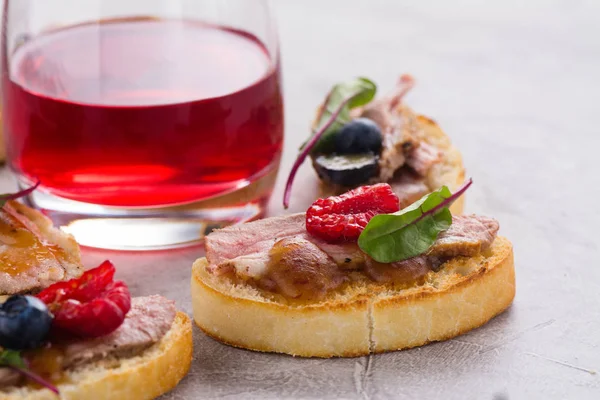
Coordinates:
[516,87]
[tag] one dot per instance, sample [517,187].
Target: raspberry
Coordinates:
[90,306]
[343,218]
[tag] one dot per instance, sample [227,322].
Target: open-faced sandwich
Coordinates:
[33,253]
[358,139]
[83,338]
[86,338]
[353,275]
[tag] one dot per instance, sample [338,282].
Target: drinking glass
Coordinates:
[147,122]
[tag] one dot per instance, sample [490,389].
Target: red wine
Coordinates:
[143,112]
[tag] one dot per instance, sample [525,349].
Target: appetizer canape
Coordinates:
[358,139]
[353,275]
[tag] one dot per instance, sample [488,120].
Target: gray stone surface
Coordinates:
[515,84]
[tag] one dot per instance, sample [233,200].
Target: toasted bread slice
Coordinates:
[146,376]
[34,253]
[450,171]
[364,317]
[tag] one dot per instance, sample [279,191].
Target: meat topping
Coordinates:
[468,236]
[301,266]
[9,377]
[149,319]
[408,186]
[299,269]
[254,237]
[30,256]
[407,272]
[423,157]
[347,256]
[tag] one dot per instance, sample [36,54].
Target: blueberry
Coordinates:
[24,323]
[348,169]
[360,135]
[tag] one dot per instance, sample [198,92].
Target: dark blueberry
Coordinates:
[347,170]
[24,323]
[360,135]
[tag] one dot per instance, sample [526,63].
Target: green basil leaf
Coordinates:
[360,90]
[12,358]
[411,231]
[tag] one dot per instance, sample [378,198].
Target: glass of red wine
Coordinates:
[147,122]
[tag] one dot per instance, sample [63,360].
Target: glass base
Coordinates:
[152,228]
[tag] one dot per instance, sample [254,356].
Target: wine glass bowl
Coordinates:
[161,119]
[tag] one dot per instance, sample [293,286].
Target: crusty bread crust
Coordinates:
[450,171]
[363,318]
[462,296]
[241,317]
[146,376]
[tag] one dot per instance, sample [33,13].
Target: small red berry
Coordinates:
[343,218]
[90,306]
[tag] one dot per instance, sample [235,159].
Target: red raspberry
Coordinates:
[90,306]
[343,218]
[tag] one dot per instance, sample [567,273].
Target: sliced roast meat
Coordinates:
[9,377]
[254,237]
[291,262]
[34,253]
[421,158]
[468,236]
[408,186]
[299,269]
[399,135]
[377,111]
[148,321]
[247,266]
[407,272]
[347,256]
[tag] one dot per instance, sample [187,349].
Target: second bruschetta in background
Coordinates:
[358,139]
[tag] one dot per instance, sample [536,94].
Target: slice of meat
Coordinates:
[149,319]
[407,272]
[292,262]
[247,266]
[299,269]
[347,256]
[9,377]
[254,237]
[421,158]
[408,186]
[398,126]
[468,236]
[33,253]
[252,243]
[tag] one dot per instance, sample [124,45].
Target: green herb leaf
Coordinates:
[360,91]
[12,358]
[411,231]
